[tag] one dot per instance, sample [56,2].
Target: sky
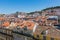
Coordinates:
[12,6]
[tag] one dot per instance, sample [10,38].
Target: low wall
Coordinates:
[42,37]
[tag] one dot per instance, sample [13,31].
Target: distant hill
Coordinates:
[54,9]
[31,13]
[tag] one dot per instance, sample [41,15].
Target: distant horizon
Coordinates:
[12,6]
[32,11]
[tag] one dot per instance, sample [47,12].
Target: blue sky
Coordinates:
[11,6]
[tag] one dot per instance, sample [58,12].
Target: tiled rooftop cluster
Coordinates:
[34,21]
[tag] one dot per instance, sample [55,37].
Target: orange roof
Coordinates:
[21,25]
[5,24]
[29,25]
[1,18]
